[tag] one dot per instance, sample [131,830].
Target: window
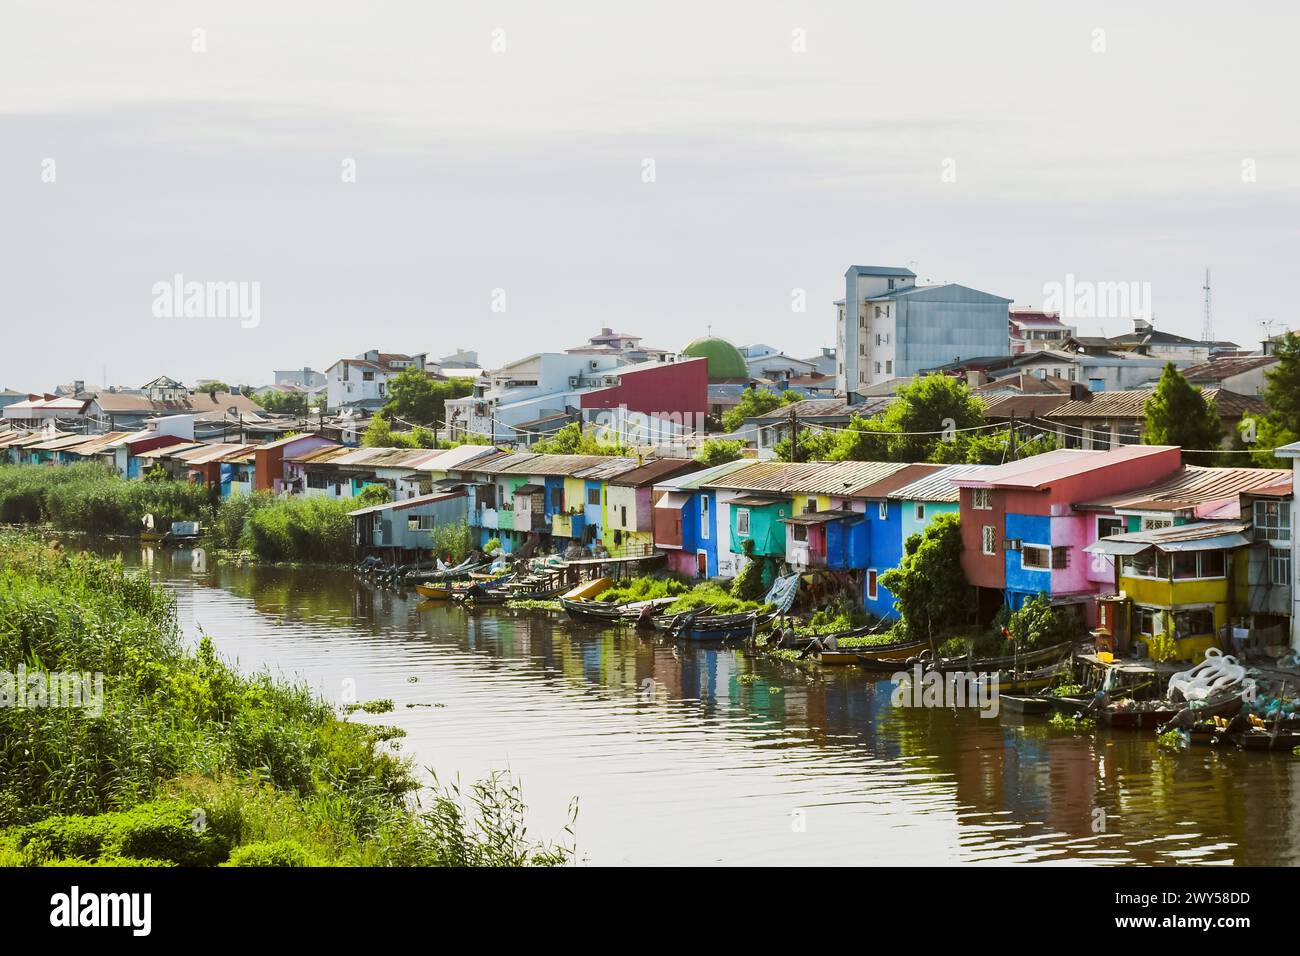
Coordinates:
[920,512]
[367,376]
[884,511]
[1036,557]
[704,517]
[742,521]
[1212,564]
[982,499]
[1109,526]
[877,338]
[1192,622]
[1184,565]
[593,496]
[557,499]
[891,284]
[1272,521]
[1060,557]
[877,368]
[1145,620]
[889,366]
[623,515]
[800,532]
[989,539]
[1279,566]
[811,506]
[1149,524]
[872,589]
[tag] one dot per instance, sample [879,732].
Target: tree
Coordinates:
[1178,414]
[863,439]
[417,397]
[284,403]
[378,434]
[932,408]
[929,585]
[990,448]
[573,439]
[756,401]
[719,451]
[813,445]
[1281,426]
[372,495]
[1038,623]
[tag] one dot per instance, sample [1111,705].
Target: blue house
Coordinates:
[686,520]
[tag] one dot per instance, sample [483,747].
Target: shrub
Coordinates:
[1038,623]
[277,853]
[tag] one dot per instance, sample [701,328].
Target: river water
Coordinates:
[677,757]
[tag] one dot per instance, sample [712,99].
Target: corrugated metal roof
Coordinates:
[839,478]
[100,443]
[937,486]
[607,468]
[1216,370]
[1194,536]
[453,458]
[62,442]
[167,451]
[205,454]
[560,465]
[900,478]
[1038,471]
[408,503]
[812,408]
[1190,486]
[1132,404]
[653,470]
[698,479]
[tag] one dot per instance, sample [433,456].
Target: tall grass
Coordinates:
[92,497]
[184,737]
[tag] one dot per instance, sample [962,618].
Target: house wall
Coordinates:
[1024,583]
[983,570]
[765,529]
[885,551]
[911,525]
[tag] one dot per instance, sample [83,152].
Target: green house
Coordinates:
[758,519]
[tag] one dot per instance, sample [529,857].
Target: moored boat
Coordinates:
[434,592]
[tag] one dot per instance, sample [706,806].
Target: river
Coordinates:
[675,759]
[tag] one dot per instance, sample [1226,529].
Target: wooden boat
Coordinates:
[601,612]
[1070,705]
[589,589]
[1021,682]
[1136,718]
[1228,706]
[1266,738]
[434,592]
[693,626]
[887,657]
[1026,704]
[1042,655]
[838,657]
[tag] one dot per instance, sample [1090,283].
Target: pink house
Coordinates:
[1022,534]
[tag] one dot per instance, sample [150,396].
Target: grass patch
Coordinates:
[189,761]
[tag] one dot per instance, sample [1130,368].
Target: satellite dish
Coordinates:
[148,522]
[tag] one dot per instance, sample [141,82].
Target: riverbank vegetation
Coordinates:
[92,498]
[689,597]
[187,762]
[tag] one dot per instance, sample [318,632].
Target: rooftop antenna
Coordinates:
[1207,332]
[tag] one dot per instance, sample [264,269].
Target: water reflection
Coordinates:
[692,754]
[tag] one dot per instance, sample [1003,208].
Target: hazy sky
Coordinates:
[788,140]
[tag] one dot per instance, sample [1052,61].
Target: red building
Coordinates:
[673,392]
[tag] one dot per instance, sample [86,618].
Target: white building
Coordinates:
[1032,329]
[889,327]
[766,362]
[362,382]
[529,394]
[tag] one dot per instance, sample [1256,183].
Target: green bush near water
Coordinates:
[180,731]
[93,498]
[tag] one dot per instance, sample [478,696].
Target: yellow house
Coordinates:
[1174,582]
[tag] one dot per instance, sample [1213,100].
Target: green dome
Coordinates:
[725,360]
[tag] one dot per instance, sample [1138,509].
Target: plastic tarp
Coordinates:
[783,592]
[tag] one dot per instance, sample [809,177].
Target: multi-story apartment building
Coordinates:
[889,327]
[362,382]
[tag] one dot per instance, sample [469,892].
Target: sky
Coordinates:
[512,177]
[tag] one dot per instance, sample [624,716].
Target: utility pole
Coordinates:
[1207,332]
[794,435]
[1011,440]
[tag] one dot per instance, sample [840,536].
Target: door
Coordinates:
[701,564]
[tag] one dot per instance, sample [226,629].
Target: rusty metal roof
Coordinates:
[838,478]
[1132,404]
[204,454]
[656,469]
[1194,485]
